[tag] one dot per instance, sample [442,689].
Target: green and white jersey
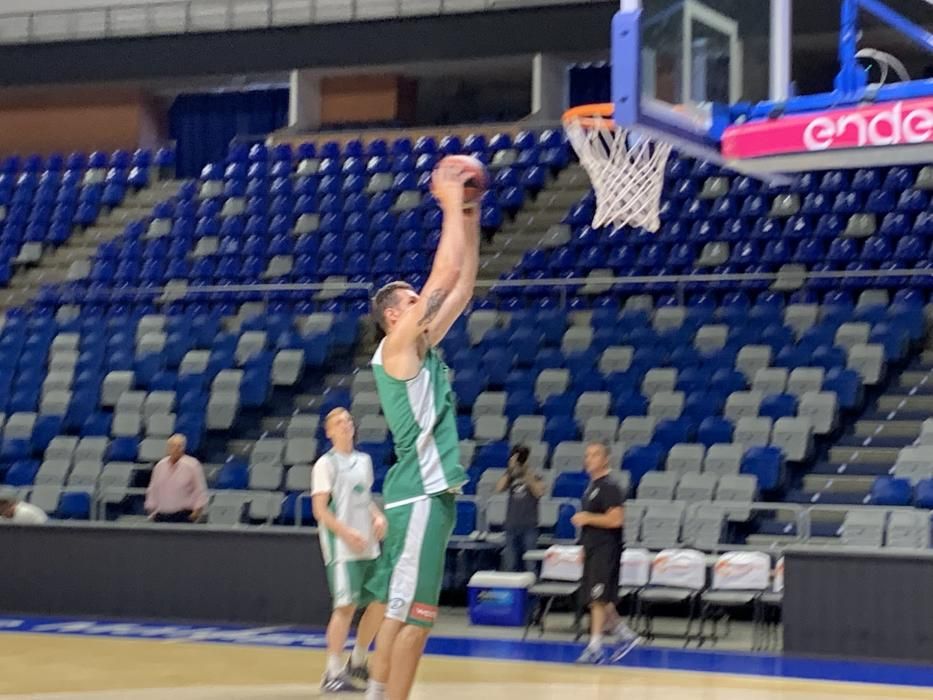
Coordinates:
[348,478]
[421,413]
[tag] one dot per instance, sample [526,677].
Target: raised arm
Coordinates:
[444,295]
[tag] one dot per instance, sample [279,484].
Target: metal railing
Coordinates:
[562,288]
[168,17]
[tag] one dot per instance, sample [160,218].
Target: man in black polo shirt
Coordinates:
[600,522]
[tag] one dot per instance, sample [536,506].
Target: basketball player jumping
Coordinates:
[419,408]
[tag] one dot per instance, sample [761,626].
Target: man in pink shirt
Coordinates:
[177,491]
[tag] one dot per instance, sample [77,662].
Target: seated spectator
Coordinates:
[525,489]
[177,491]
[16,511]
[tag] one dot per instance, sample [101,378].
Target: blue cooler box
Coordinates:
[498,598]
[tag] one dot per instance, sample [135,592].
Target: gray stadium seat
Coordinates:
[250,344]
[410,199]
[495,511]
[46,497]
[551,381]
[302,425]
[365,403]
[55,403]
[151,450]
[115,384]
[616,359]
[372,429]
[130,402]
[850,334]
[486,486]
[126,425]
[822,408]
[58,380]
[52,472]
[752,358]
[61,447]
[695,487]
[568,457]
[711,337]
[592,404]
[206,246]
[265,505]
[318,323]
[661,525]
[160,425]
[268,451]
[362,381]
[158,402]
[925,179]
[490,428]
[785,205]
[617,452]
[538,454]
[90,448]
[703,527]
[737,489]
[752,432]
[666,404]
[657,486]
[150,343]
[576,339]
[489,403]
[908,529]
[637,430]
[658,380]
[222,409]
[19,426]
[914,463]
[794,436]
[116,475]
[194,362]
[287,367]
[63,360]
[634,512]
[804,379]
[481,322]
[227,380]
[723,459]
[85,474]
[266,477]
[863,527]
[868,361]
[298,478]
[65,341]
[279,266]
[227,508]
[307,167]
[742,404]
[801,317]
[300,450]
[307,223]
[601,429]
[669,318]
[861,226]
[639,302]
[685,458]
[770,380]
[527,429]
[467,450]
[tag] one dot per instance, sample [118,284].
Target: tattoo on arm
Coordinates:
[435,301]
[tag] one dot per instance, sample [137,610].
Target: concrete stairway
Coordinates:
[530,227]
[54,265]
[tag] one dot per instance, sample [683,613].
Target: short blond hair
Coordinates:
[386,298]
[333,413]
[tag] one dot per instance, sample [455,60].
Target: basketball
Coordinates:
[475,187]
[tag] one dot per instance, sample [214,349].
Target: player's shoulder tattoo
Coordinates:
[433,306]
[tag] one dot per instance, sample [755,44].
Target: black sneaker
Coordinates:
[359,674]
[338,684]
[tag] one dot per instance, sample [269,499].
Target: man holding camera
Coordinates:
[525,489]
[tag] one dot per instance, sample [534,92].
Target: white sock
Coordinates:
[358,655]
[334,665]
[375,690]
[622,630]
[596,641]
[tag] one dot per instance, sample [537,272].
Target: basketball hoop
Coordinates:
[625,167]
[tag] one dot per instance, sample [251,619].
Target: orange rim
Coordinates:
[590,115]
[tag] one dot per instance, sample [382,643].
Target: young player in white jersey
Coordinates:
[350,527]
[418,404]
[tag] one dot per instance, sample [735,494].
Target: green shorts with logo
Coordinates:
[351,582]
[411,568]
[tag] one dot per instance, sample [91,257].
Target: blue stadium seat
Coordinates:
[570,485]
[891,491]
[765,463]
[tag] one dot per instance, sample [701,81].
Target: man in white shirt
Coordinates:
[16,511]
[350,527]
[177,491]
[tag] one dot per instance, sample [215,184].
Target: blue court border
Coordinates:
[698,661]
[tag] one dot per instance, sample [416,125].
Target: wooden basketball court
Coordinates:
[49,667]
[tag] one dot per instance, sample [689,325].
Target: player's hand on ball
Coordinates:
[379,527]
[580,519]
[355,540]
[447,186]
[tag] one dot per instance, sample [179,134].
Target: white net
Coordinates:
[626,169]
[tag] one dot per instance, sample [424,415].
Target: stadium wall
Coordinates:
[78,119]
